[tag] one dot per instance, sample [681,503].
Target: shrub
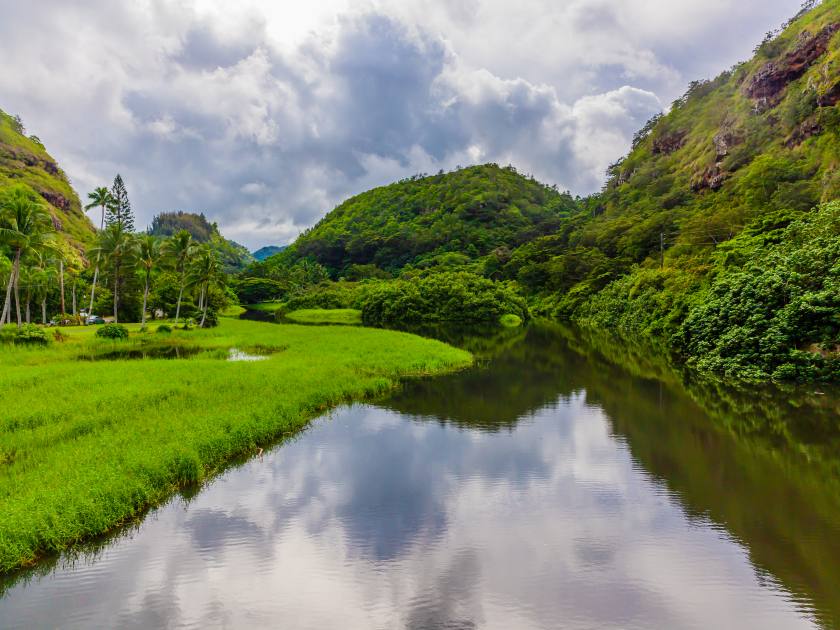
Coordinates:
[164,328]
[112,331]
[30,334]
[451,297]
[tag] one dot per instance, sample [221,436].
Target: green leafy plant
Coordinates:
[112,331]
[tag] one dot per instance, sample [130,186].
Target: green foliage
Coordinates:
[328,295]
[233,256]
[776,314]
[164,329]
[468,212]
[255,290]
[453,297]
[30,335]
[25,161]
[112,331]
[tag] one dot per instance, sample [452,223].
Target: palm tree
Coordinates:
[27,228]
[204,273]
[99,198]
[148,257]
[119,248]
[179,249]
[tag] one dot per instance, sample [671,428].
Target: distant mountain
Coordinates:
[235,257]
[269,250]
[448,218]
[25,160]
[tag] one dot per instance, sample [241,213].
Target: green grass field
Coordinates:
[325,316]
[88,445]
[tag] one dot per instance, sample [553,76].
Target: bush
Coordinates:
[30,334]
[112,331]
[164,328]
[451,297]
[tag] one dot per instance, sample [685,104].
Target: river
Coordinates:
[564,482]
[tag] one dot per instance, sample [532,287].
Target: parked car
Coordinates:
[95,319]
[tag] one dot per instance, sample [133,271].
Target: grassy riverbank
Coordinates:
[85,446]
[348,316]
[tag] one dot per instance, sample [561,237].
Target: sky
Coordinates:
[265,114]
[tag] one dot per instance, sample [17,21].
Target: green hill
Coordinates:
[234,257]
[428,220]
[25,160]
[719,203]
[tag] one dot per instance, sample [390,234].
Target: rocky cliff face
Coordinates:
[25,160]
[768,84]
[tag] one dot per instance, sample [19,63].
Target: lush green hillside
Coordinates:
[233,256]
[25,160]
[426,221]
[752,153]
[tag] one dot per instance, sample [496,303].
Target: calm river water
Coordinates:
[561,484]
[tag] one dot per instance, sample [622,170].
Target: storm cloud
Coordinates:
[264,115]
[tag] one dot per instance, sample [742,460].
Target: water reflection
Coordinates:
[551,489]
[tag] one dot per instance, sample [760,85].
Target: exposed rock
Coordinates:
[669,142]
[51,167]
[830,97]
[724,140]
[55,199]
[57,223]
[808,128]
[710,179]
[770,81]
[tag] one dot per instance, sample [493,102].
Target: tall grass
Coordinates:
[87,446]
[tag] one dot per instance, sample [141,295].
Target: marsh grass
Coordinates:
[85,447]
[347,316]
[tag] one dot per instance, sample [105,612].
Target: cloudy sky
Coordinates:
[266,113]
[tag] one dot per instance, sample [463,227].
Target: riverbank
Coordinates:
[88,443]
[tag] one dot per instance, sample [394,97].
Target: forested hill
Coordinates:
[233,256]
[713,233]
[23,159]
[426,220]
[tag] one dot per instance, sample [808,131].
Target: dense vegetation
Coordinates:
[453,298]
[24,160]
[233,256]
[428,221]
[75,461]
[696,239]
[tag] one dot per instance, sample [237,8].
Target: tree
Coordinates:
[179,250]
[119,209]
[26,228]
[205,272]
[119,248]
[99,198]
[148,258]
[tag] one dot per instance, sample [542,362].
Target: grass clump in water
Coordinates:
[83,450]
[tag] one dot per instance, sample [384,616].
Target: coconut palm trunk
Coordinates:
[93,287]
[116,292]
[7,305]
[145,299]
[61,285]
[44,311]
[74,297]
[180,296]
[203,306]
[17,286]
